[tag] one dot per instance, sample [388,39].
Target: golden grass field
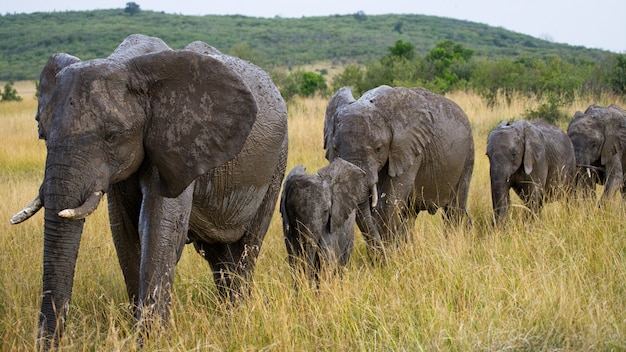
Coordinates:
[554,282]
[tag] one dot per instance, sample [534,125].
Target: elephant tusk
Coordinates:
[85,209]
[588,173]
[27,212]
[374,196]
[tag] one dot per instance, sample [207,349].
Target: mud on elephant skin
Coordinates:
[318,212]
[189,146]
[599,139]
[416,149]
[535,159]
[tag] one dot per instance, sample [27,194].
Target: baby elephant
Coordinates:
[318,214]
[535,159]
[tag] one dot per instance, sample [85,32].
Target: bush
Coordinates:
[9,93]
[549,111]
[303,83]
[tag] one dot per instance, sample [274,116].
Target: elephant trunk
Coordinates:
[499,199]
[586,178]
[65,194]
[365,222]
[61,242]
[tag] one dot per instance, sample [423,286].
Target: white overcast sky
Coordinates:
[591,23]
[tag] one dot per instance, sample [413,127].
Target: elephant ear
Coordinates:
[295,173]
[341,98]
[615,134]
[200,113]
[47,85]
[348,189]
[534,149]
[411,122]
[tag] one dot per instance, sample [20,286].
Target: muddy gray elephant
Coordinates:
[416,149]
[599,139]
[535,159]
[318,212]
[190,146]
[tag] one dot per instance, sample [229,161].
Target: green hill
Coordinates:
[27,40]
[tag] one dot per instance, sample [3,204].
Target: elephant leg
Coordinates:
[124,200]
[163,229]
[534,201]
[233,263]
[614,178]
[403,220]
[454,212]
[365,222]
[530,196]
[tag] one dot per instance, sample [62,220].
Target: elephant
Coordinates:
[417,151]
[318,212]
[190,146]
[599,139]
[535,159]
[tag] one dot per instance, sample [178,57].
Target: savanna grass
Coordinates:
[554,281]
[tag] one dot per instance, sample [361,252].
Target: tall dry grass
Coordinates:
[554,282]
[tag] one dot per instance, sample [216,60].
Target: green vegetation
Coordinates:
[27,40]
[549,111]
[439,54]
[9,93]
[450,66]
[300,83]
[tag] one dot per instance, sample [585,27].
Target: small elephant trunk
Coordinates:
[365,222]
[500,200]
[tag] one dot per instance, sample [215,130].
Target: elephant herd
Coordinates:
[190,147]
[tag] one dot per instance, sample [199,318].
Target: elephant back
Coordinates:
[137,44]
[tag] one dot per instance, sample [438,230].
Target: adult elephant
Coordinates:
[190,147]
[416,149]
[318,212]
[599,139]
[535,159]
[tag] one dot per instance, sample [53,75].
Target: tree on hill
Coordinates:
[132,8]
[402,49]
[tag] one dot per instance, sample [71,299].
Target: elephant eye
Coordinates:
[110,136]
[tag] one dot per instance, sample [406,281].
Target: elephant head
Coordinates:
[516,154]
[102,120]
[599,139]
[402,138]
[318,214]
[374,132]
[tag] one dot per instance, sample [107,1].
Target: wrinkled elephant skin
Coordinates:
[189,146]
